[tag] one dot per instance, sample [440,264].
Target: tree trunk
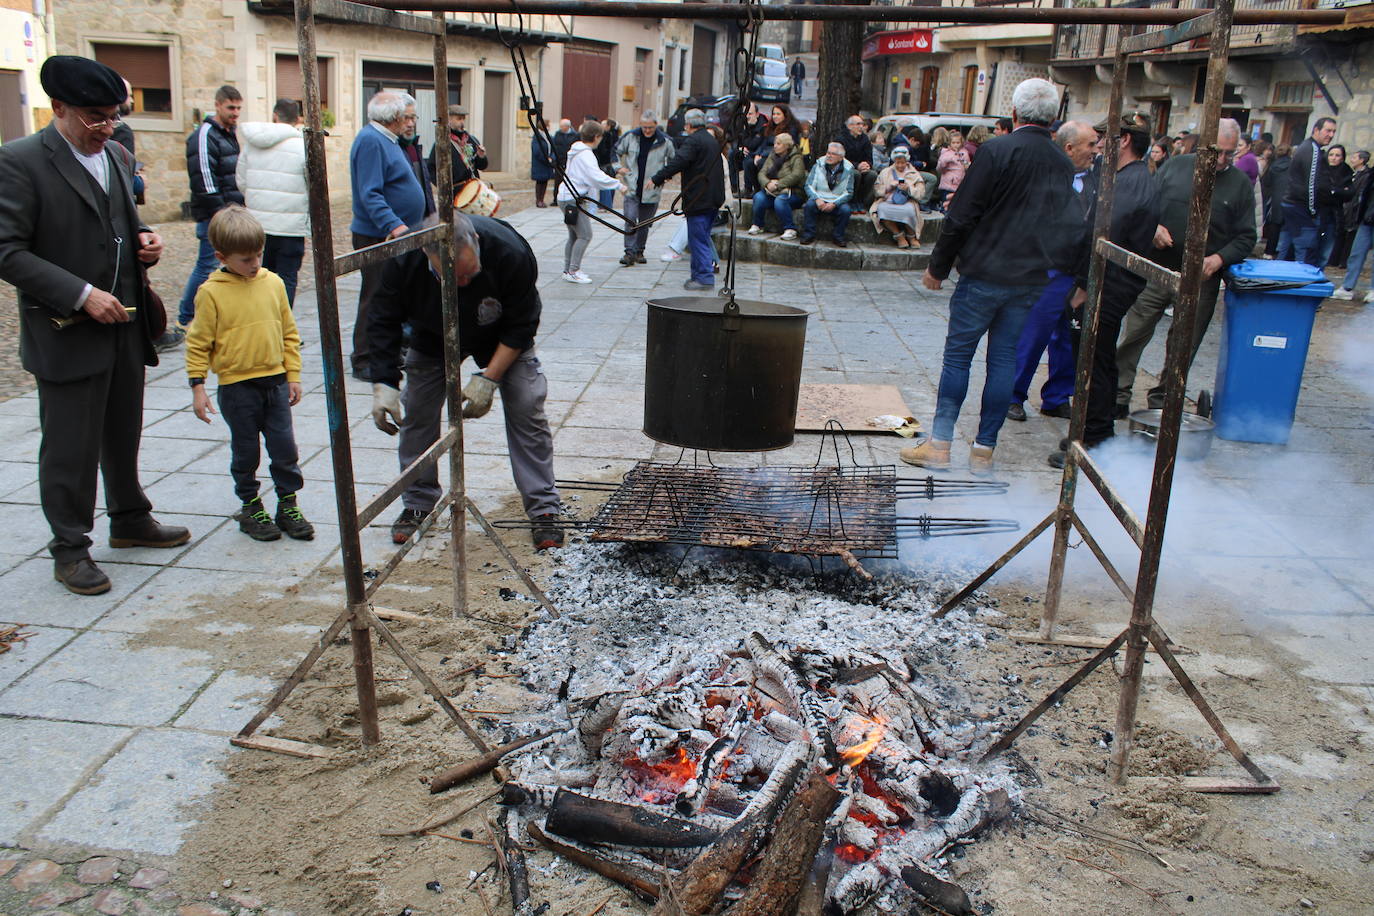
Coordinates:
[838,93]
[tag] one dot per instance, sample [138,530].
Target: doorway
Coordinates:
[12,125]
[703,60]
[970,87]
[495,119]
[930,87]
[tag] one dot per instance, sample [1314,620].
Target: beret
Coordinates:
[81,81]
[1134,122]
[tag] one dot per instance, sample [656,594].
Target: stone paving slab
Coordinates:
[139,799]
[171,595]
[99,677]
[32,596]
[22,656]
[227,703]
[66,750]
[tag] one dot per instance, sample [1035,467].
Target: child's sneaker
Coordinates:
[255,522]
[291,522]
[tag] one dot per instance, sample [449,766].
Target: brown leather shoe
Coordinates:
[82,577]
[149,533]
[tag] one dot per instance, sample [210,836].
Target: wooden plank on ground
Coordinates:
[282,746]
[1214,785]
[1078,642]
[852,405]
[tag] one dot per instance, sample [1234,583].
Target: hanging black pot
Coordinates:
[723,376]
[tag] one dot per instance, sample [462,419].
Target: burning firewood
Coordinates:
[808,704]
[505,837]
[639,880]
[599,715]
[778,882]
[690,799]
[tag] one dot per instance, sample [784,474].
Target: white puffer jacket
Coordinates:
[271,175]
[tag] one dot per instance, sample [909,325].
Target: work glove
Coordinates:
[386,401]
[477,396]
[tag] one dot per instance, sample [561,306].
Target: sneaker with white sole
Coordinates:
[576,277]
[755,230]
[789,234]
[670,255]
[583,278]
[1340,292]
[1369,297]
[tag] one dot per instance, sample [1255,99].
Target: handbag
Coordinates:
[571,213]
[898,197]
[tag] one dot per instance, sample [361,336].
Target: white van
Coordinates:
[929,120]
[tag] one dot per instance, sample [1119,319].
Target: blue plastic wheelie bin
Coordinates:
[1270,307]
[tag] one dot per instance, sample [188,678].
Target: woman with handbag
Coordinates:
[582,178]
[896,193]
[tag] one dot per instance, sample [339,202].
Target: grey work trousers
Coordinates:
[579,237]
[637,211]
[528,438]
[1139,327]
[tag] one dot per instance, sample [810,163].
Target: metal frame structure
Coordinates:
[362,618]
[1142,631]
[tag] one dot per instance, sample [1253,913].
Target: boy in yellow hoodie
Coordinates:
[243,332]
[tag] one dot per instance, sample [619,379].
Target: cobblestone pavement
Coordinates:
[1280,534]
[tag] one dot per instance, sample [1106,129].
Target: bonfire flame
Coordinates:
[853,756]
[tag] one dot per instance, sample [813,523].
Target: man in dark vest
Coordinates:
[71,242]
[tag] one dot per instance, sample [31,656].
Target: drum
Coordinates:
[477,198]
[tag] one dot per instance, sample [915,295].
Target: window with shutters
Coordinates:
[147,67]
[290,85]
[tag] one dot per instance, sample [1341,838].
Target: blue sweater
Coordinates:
[386,193]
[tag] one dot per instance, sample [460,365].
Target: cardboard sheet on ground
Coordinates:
[859,408]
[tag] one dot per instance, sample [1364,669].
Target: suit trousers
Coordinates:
[1139,328]
[90,423]
[529,441]
[636,211]
[371,282]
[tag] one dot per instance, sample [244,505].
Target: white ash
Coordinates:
[665,638]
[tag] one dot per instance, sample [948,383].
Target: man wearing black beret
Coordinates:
[71,242]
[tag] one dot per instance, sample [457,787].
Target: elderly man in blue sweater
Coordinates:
[387,199]
[829,189]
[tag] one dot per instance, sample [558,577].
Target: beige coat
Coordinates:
[887,181]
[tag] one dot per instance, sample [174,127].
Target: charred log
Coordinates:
[593,820]
[642,882]
[601,712]
[807,702]
[505,830]
[484,764]
[939,893]
[712,762]
[778,882]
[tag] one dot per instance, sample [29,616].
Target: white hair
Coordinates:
[464,233]
[1071,132]
[694,117]
[649,115]
[1228,127]
[388,107]
[830,148]
[1035,101]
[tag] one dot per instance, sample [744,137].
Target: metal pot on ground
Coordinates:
[1195,433]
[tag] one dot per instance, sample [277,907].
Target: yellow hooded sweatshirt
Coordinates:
[243,329]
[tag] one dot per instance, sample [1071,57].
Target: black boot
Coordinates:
[290,520]
[256,523]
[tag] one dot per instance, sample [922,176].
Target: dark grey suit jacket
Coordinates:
[53,242]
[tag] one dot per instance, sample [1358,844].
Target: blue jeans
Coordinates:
[606,198]
[1359,250]
[1047,325]
[977,308]
[260,407]
[205,265]
[812,210]
[1302,228]
[781,205]
[699,241]
[282,255]
[1328,227]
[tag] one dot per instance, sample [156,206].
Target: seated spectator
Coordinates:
[896,207]
[781,176]
[935,145]
[882,158]
[951,166]
[829,189]
[976,138]
[858,149]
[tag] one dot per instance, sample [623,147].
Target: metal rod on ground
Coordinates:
[1177,355]
[635,9]
[958,597]
[340,447]
[453,347]
[510,559]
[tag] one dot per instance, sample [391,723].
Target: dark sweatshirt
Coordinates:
[1135,216]
[1231,232]
[500,306]
[1015,217]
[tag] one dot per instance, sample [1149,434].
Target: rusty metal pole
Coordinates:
[453,350]
[331,353]
[1177,356]
[1102,228]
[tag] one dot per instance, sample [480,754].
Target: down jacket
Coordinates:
[627,150]
[212,155]
[271,175]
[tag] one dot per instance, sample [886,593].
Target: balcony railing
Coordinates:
[1095,42]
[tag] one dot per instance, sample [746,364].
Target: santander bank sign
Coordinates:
[908,41]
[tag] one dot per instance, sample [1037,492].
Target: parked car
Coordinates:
[773,52]
[717,109]
[771,81]
[929,120]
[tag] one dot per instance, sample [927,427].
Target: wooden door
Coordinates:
[930,87]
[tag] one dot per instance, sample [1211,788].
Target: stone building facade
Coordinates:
[24,43]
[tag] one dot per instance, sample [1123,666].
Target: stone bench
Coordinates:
[867,250]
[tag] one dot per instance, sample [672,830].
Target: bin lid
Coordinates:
[1287,278]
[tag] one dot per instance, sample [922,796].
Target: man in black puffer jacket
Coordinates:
[703,192]
[212,155]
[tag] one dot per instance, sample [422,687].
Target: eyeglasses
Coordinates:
[109,121]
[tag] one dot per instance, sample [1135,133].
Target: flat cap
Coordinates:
[81,81]
[458,110]
[1135,122]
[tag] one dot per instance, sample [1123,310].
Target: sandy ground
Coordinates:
[308,833]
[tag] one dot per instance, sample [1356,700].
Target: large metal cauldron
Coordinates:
[723,376]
